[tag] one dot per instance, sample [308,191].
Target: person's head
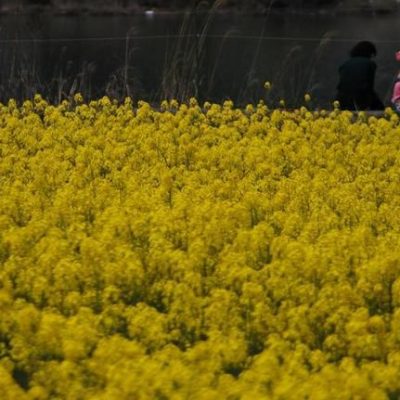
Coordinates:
[363,49]
[397,55]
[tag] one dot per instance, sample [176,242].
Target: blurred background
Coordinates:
[212,50]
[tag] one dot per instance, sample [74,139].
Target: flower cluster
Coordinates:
[202,252]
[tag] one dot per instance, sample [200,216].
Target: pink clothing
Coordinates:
[396,92]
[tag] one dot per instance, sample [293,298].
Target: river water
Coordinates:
[212,57]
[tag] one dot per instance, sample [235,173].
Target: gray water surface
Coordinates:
[217,57]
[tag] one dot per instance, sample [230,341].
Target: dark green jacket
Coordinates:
[357,75]
[355,90]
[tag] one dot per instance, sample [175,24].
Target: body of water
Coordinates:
[212,57]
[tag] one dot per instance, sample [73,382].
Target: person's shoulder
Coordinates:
[354,62]
[364,62]
[358,64]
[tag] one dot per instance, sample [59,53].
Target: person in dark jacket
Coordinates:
[355,90]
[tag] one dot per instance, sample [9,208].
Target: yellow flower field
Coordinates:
[198,252]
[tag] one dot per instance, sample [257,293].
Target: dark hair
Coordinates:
[363,49]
